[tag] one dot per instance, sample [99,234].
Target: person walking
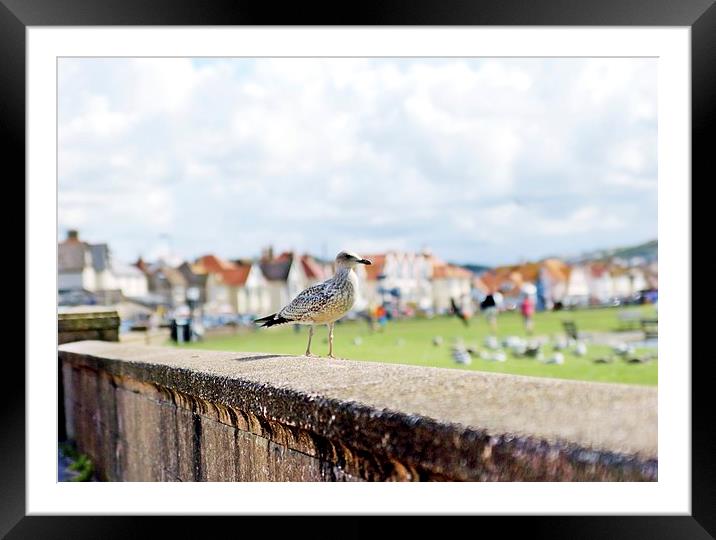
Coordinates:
[489,309]
[527,308]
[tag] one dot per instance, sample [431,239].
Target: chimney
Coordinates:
[267,254]
[141,264]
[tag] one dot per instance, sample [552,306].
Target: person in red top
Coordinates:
[382,316]
[528,310]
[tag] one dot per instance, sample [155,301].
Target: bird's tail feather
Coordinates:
[271,320]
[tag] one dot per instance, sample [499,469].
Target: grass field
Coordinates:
[411,342]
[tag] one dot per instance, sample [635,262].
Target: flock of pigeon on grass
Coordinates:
[540,349]
[494,351]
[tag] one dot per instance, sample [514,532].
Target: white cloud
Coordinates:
[97,120]
[472,157]
[582,220]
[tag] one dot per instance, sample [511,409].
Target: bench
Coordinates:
[650,327]
[570,328]
[629,320]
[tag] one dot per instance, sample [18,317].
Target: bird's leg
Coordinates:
[310,335]
[330,340]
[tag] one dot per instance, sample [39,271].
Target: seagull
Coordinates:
[459,312]
[323,303]
[623,349]
[460,354]
[519,349]
[556,358]
[532,350]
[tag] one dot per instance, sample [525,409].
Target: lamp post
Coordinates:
[192,299]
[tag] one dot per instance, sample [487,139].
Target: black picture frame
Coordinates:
[699,15]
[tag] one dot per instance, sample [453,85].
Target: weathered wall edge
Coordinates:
[416,442]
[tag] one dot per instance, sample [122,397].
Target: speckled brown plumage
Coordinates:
[323,303]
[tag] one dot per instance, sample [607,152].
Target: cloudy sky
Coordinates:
[481,160]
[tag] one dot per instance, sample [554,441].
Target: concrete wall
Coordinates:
[85,323]
[165,414]
[76,324]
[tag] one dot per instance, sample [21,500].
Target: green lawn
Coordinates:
[411,342]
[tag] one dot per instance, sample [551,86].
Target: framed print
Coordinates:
[463,201]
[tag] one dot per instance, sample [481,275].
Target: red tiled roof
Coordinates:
[497,279]
[311,268]
[478,283]
[557,269]
[214,264]
[490,281]
[236,277]
[450,271]
[598,269]
[529,272]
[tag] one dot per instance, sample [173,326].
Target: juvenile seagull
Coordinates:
[323,303]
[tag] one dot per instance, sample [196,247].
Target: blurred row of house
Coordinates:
[88,274]
[88,270]
[598,282]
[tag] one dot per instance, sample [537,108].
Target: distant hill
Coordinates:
[647,251]
[474,268]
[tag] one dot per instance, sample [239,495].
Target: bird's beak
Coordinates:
[364,261]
